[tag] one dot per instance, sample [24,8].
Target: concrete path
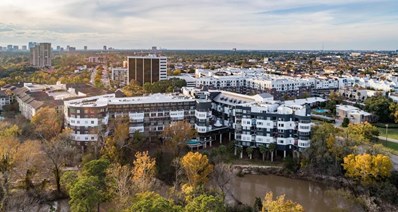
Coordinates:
[383,138]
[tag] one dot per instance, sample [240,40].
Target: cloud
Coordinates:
[204,24]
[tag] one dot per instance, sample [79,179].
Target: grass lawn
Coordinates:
[390,145]
[392,132]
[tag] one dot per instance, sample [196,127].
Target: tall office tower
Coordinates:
[85,48]
[9,47]
[147,69]
[24,48]
[105,48]
[58,48]
[31,45]
[40,55]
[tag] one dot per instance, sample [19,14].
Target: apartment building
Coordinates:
[120,76]
[4,99]
[354,114]
[248,81]
[148,115]
[147,69]
[31,97]
[40,55]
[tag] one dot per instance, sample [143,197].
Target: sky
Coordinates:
[203,24]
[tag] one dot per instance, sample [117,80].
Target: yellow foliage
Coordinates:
[366,167]
[197,168]
[280,204]
[177,134]
[47,123]
[144,170]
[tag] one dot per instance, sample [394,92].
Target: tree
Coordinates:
[197,168]
[345,123]
[119,148]
[30,162]
[85,195]
[280,204]
[144,170]
[272,147]
[249,151]
[9,131]
[60,153]
[177,134]
[133,89]
[394,111]
[152,202]
[97,169]
[319,158]
[206,203]
[47,123]
[263,150]
[120,178]
[367,168]
[68,180]
[362,132]
[8,148]
[380,106]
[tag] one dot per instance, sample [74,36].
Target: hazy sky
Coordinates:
[202,24]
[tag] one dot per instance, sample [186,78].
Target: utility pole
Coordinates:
[386,132]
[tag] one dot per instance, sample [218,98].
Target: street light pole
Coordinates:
[386,132]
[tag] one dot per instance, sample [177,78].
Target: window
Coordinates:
[92,122]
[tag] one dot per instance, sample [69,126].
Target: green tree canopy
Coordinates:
[152,202]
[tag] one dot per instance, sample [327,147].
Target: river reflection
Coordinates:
[312,196]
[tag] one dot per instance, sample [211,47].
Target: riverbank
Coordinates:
[340,186]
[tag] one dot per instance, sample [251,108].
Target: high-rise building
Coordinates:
[105,48]
[40,55]
[31,45]
[85,48]
[15,48]
[9,47]
[24,48]
[147,69]
[58,48]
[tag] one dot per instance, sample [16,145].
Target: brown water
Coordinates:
[312,196]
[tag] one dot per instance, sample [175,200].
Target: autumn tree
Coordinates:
[394,111]
[367,168]
[152,202]
[133,89]
[362,132]
[144,170]
[280,204]
[30,163]
[47,123]
[177,134]
[118,147]
[8,149]
[60,153]
[120,180]
[206,203]
[318,158]
[197,168]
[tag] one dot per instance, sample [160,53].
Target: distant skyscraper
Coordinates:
[9,47]
[147,69]
[85,48]
[105,48]
[40,55]
[15,48]
[58,48]
[24,48]
[31,45]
